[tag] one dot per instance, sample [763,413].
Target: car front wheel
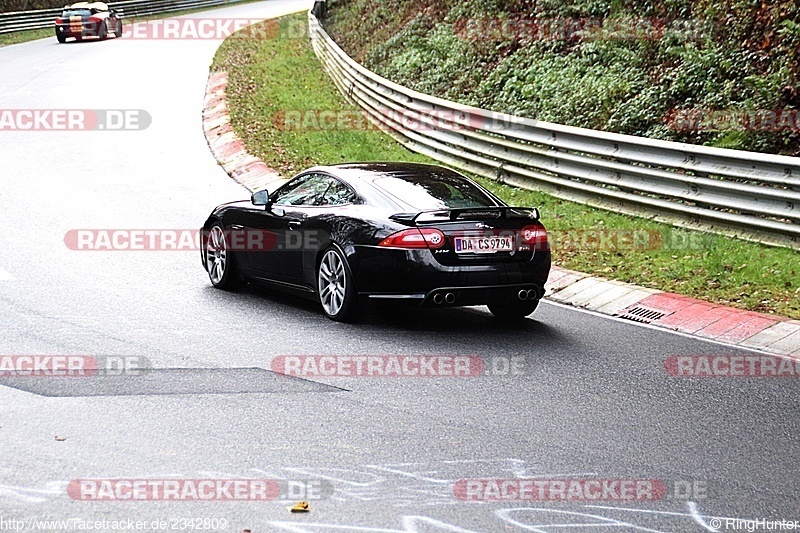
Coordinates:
[220,262]
[335,286]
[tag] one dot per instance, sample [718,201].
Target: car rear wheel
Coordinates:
[514,309]
[61,38]
[335,286]
[118,31]
[220,262]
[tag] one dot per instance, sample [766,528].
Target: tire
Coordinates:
[102,31]
[220,263]
[335,286]
[61,38]
[514,310]
[118,30]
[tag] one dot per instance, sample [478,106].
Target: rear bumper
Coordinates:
[461,296]
[415,277]
[87,30]
[67,33]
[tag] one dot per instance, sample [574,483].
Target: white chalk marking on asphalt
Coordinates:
[411,524]
[5,276]
[699,518]
[506,515]
[693,513]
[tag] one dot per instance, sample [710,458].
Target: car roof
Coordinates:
[99,6]
[360,176]
[370,171]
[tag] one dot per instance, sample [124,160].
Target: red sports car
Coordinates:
[88,19]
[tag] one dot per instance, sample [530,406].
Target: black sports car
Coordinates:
[383,232]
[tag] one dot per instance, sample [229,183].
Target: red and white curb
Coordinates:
[769,333]
[227,147]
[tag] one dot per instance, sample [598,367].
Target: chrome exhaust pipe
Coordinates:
[438,298]
[449,297]
[522,294]
[536,293]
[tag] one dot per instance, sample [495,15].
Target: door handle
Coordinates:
[294,224]
[237,226]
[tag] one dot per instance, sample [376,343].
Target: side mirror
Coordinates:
[260,198]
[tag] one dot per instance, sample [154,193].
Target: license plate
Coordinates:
[482,245]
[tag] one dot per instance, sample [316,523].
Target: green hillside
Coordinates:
[721,73]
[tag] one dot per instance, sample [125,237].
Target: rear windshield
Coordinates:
[76,13]
[434,191]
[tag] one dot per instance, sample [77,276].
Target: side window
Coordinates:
[339,194]
[305,190]
[314,190]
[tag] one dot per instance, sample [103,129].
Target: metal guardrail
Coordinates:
[45,18]
[750,195]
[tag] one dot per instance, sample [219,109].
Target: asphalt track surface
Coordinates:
[592,399]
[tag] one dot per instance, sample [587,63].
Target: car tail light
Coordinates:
[415,238]
[536,236]
[59,21]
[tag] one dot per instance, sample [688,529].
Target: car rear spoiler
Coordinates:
[469,213]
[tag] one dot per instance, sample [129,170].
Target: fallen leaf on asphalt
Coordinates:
[60,439]
[300,507]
